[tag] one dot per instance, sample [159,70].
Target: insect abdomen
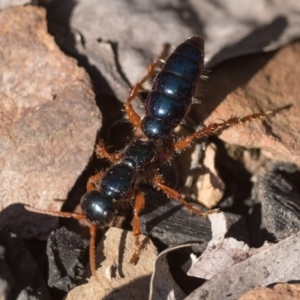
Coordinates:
[173,89]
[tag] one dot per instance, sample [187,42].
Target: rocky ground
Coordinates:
[65,74]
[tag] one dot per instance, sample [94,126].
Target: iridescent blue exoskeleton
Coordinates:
[166,106]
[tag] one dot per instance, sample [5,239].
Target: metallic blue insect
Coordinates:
[166,106]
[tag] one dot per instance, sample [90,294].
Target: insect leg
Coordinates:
[94,181]
[60,214]
[101,152]
[134,118]
[138,206]
[93,229]
[215,127]
[158,182]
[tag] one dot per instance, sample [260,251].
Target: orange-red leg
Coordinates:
[215,127]
[60,214]
[94,182]
[158,183]
[93,230]
[134,118]
[76,216]
[101,152]
[138,206]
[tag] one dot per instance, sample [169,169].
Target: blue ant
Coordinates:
[166,106]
